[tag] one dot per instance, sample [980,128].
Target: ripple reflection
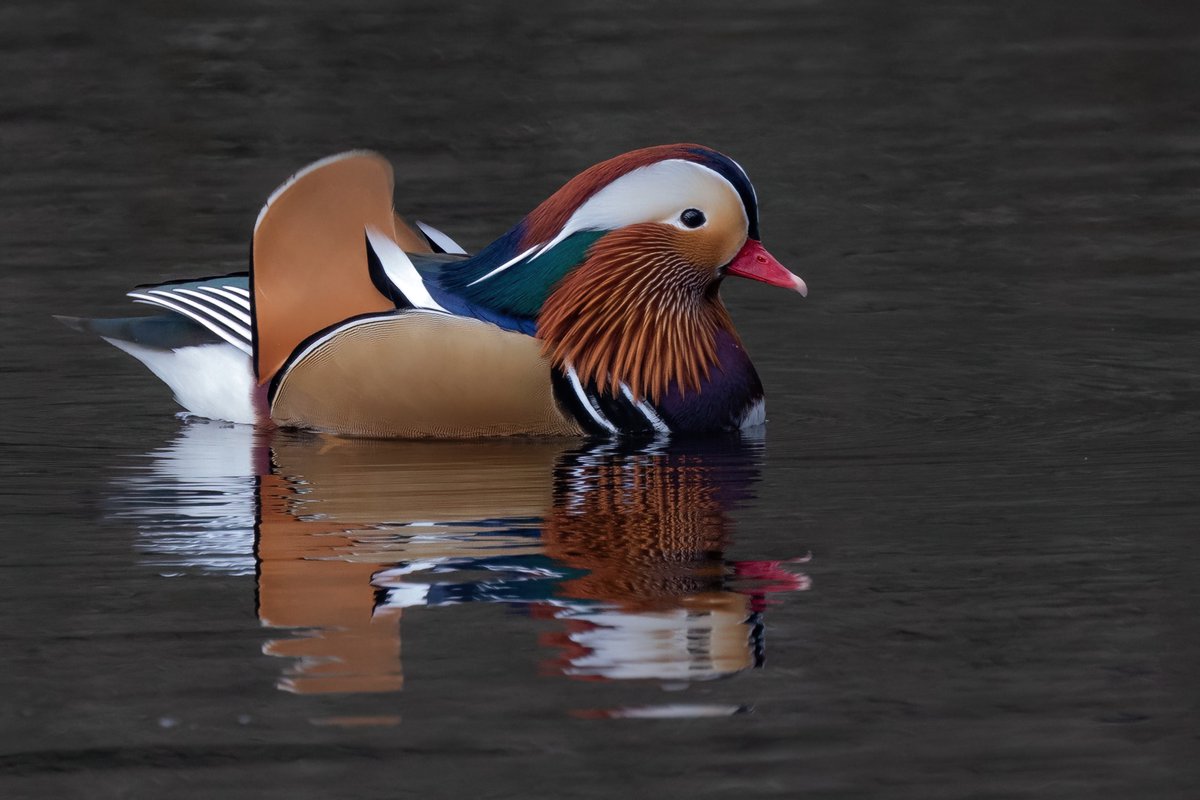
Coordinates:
[620,545]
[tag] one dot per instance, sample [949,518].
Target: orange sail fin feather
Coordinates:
[309,254]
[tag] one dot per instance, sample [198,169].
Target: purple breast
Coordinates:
[731,389]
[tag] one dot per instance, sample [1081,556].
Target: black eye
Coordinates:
[692,218]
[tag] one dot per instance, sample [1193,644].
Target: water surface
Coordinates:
[956,563]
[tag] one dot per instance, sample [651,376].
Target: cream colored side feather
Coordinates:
[421,374]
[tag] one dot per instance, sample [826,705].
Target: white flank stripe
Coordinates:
[208,324]
[243,292]
[207,308]
[224,291]
[647,410]
[400,270]
[443,241]
[505,265]
[587,403]
[237,313]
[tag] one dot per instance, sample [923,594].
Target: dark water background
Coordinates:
[959,563]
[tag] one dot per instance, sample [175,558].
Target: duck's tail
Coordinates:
[209,376]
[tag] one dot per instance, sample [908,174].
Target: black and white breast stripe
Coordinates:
[224,310]
[606,414]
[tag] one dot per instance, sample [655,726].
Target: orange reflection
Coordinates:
[333,511]
[349,647]
[648,528]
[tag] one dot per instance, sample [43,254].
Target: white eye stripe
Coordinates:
[659,192]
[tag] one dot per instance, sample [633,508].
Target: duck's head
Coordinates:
[699,202]
[622,265]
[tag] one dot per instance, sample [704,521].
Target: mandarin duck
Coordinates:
[597,314]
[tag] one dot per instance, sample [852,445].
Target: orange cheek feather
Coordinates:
[637,312]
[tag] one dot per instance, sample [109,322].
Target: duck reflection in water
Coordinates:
[621,544]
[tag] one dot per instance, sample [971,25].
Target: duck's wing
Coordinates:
[310,267]
[220,305]
[415,373]
[433,267]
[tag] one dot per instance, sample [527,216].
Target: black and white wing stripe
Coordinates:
[223,309]
[603,413]
[440,242]
[394,274]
